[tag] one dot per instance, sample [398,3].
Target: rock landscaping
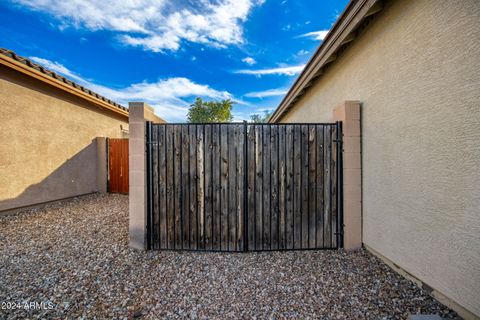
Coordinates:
[72,260]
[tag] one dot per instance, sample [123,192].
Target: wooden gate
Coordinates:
[118,165]
[244,187]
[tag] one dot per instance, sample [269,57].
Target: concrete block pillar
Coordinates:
[349,113]
[137,174]
[139,113]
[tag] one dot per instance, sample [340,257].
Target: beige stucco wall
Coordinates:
[416,72]
[48,149]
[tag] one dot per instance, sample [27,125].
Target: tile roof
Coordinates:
[29,63]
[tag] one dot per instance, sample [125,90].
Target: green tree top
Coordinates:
[210,111]
[258,118]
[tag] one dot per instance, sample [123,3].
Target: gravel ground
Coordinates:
[73,258]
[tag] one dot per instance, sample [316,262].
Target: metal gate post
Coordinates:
[339,140]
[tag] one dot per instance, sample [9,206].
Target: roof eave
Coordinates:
[25,69]
[341,33]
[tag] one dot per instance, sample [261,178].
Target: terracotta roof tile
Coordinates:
[13,55]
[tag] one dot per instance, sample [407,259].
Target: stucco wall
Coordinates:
[416,71]
[47,141]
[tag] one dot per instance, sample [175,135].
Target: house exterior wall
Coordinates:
[415,70]
[48,145]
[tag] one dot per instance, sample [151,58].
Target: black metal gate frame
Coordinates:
[149,178]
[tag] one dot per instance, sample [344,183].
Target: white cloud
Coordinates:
[249,61]
[317,35]
[267,93]
[289,71]
[58,68]
[168,96]
[302,52]
[154,25]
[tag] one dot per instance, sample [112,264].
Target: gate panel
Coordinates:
[118,165]
[196,188]
[239,187]
[295,182]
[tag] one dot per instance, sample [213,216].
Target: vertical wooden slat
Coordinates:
[216,187]
[200,188]
[116,160]
[155,192]
[312,200]
[240,179]
[162,184]
[251,171]
[297,187]
[208,187]
[185,188]
[258,187]
[177,175]
[281,188]
[224,186]
[327,225]
[304,187]
[120,154]
[120,169]
[320,186]
[232,203]
[170,204]
[116,164]
[192,132]
[266,188]
[289,153]
[119,160]
[274,194]
[333,182]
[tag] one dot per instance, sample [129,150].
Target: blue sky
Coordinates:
[167,52]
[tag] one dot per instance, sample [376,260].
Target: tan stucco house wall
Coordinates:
[415,70]
[48,145]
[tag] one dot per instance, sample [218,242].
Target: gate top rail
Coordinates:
[242,123]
